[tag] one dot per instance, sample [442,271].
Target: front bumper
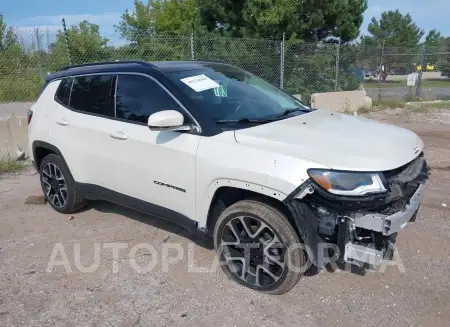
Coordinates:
[387,225]
[360,230]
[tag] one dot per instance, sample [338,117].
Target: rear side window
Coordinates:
[137,97]
[63,92]
[93,94]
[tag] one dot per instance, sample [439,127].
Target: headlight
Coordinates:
[348,183]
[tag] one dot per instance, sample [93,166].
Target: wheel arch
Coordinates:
[229,192]
[41,149]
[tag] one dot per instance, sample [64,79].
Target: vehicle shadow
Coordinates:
[107,207]
[335,267]
[204,242]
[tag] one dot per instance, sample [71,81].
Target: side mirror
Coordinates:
[167,120]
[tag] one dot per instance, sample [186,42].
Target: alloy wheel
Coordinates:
[54,184]
[253,251]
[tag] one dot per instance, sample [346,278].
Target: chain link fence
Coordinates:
[27,56]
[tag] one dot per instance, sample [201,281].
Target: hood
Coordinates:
[339,141]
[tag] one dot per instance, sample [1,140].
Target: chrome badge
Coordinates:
[416,150]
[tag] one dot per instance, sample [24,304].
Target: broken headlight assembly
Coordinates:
[348,183]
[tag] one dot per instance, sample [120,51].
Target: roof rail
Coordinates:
[105,63]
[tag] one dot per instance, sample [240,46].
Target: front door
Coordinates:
[155,167]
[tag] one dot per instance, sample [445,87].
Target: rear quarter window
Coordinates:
[63,92]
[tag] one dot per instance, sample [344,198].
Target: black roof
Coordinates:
[130,66]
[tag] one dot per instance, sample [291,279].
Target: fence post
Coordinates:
[192,46]
[282,62]
[422,63]
[338,52]
[381,73]
[67,41]
[38,50]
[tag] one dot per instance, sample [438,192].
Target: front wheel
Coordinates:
[258,247]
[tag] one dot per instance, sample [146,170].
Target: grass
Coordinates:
[20,87]
[363,110]
[391,84]
[413,106]
[7,164]
[428,106]
[384,104]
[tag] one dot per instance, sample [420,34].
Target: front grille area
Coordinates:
[403,183]
[414,171]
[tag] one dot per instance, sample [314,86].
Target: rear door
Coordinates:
[81,126]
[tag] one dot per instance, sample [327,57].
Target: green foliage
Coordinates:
[7,164]
[444,59]
[161,29]
[160,17]
[309,20]
[85,45]
[400,36]
[20,87]
[434,38]
[137,24]
[393,29]
[11,55]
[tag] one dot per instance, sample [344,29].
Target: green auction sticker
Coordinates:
[220,91]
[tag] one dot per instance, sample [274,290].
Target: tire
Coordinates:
[55,174]
[267,227]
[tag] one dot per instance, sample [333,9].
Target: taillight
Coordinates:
[29,116]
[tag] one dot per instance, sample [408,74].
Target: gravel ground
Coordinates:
[418,295]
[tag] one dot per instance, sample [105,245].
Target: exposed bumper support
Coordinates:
[359,253]
[388,225]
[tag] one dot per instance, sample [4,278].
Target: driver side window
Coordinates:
[138,97]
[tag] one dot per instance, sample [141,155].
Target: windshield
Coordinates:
[228,93]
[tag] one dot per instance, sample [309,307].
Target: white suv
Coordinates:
[209,146]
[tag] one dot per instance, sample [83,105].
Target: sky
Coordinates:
[47,14]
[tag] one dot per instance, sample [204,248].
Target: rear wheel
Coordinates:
[258,247]
[58,185]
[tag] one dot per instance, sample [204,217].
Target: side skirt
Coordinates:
[95,192]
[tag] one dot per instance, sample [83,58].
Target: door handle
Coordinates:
[62,122]
[118,136]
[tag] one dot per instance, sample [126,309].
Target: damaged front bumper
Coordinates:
[359,230]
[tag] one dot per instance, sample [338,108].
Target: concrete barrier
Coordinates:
[14,138]
[346,101]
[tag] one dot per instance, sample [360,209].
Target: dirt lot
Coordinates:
[419,295]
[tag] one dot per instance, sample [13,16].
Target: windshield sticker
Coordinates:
[200,83]
[220,91]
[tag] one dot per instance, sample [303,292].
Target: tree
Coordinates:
[434,44]
[18,81]
[138,24]
[309,20]
[444,58]
[400,37]
[159,17]
[7,37]
[393,29]
[434,39]
[10,51]
[85,45]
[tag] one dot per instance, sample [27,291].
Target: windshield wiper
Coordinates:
[290,111]
[244,121]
